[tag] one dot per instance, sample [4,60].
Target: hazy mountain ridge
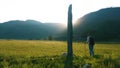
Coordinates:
[103,24]
[29,29]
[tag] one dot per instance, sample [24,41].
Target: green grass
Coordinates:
[31,48]
[48,54]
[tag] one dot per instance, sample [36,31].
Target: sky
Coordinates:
[53,11]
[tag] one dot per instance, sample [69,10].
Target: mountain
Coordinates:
[103,24]
[29,29]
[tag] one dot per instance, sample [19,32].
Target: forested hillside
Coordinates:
[29,29]
[103,24]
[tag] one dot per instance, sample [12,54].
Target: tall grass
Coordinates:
[48,54]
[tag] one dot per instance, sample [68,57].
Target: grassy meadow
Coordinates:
[49,54]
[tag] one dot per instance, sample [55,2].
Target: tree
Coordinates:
[50,37]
